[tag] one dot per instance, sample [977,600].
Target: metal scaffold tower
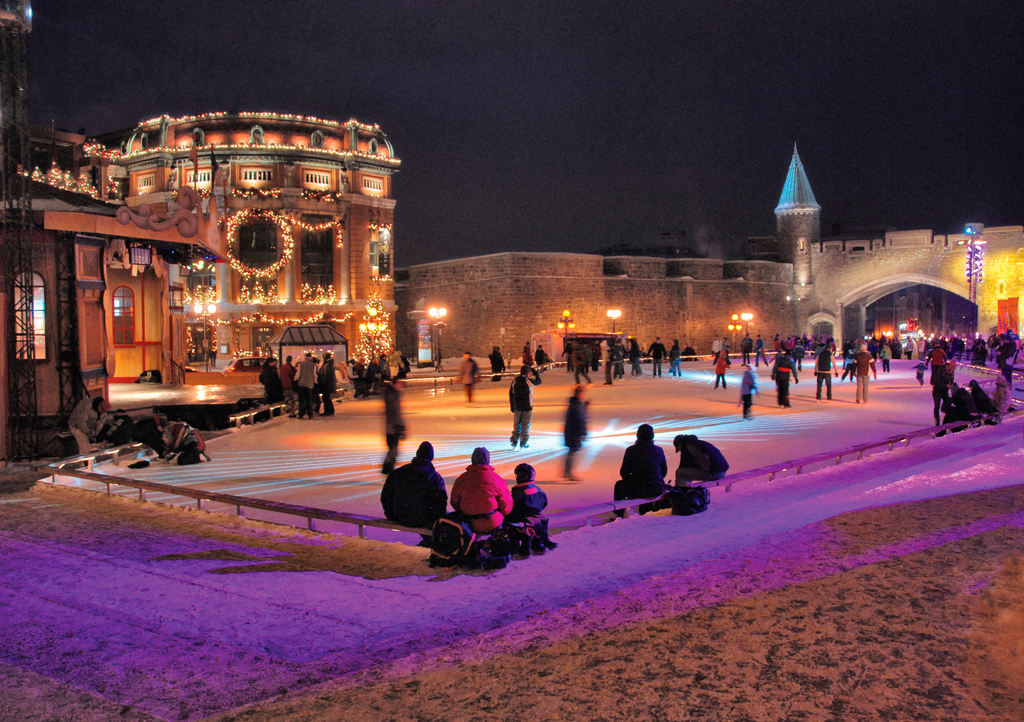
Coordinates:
[16,206]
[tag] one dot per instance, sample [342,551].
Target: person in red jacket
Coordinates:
[721,365]
[481,495]
[291,402]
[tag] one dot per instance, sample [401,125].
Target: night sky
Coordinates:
[573,125]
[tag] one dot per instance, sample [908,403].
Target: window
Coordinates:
[147,181]
[257,244]
[373,184]
[317,178]
[318,254]
[124,316]
[257,174]
[34,334]
[204,177]
[373,258]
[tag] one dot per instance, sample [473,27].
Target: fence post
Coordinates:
[199,504]
[240,510]
[142,494]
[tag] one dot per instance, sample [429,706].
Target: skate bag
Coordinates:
[689,500]
[451,542]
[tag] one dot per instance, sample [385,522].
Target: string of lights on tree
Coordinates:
[200,294]
[318,295]
[66,181]
[258,292]
[375,330]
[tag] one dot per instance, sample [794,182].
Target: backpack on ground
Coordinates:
[451,542]
[689,500]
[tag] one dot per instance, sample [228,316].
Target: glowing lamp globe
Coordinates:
[211,308]
[198,308]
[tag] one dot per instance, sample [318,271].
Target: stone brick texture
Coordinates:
[503,299]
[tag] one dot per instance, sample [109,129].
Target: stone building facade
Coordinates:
[503,299]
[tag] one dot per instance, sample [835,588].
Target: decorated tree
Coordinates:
[375,333]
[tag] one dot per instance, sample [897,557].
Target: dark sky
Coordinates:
[573,125]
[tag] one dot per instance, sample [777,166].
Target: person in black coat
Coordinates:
[657,353]
[643,469]
[982,401]
[415,494]
[698,460]
[270,377]
[959,406]
[575,429]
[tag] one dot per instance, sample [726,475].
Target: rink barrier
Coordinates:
[81,467]
[859,450]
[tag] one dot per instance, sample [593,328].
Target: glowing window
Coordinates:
[34,335]
[124,316]
[373,184]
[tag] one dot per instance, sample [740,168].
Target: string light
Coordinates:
[66,181]
[200,294]
[135,154]
[258,293]
[260,192]
[318,295]
[282,221]
[260,317]
[375,331]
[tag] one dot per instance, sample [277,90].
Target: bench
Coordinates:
[249,415]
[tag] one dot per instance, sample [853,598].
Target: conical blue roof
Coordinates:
[797,193]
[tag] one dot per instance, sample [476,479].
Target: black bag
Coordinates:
[495,552]
[451,542]
[688,500]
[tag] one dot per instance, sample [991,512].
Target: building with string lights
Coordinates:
[306,222]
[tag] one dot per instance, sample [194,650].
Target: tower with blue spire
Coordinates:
[798,223]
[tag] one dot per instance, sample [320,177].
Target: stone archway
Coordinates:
[868,293]
[819,319]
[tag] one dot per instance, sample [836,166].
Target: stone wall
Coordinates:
[503,299]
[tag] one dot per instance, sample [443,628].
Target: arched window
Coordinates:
[36,333]
[124,316]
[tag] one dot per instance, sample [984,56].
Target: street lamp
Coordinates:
[747,318]
[204,312]
[437,313]
[614,314]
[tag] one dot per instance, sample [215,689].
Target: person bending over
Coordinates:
[698,460]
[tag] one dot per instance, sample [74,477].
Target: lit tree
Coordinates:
[375,335]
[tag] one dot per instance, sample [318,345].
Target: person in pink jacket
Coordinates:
[481,495]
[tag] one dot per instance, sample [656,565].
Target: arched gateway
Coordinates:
[834,280]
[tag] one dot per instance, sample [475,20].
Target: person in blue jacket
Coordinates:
[698,460]
[415,495]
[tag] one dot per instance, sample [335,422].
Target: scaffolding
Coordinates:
[16,206]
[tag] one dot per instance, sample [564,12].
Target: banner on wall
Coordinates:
[1008,319]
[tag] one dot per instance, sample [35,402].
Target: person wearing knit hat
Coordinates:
[643,469]
[481,495]
[520,401]
[528,499]
[415,495]
[529,526]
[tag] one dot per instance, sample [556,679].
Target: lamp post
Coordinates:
[614,314]
[204,312]
[437,313]
[747,318]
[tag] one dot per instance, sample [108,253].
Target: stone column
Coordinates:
[222,283]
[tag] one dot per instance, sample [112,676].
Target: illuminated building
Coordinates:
[306,207]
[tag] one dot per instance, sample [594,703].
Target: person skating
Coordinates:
[291,399]
[698,460]
[469,374]
[824,369]
[575,429]
[581,365]
[415,495]
[885,355]
[865,364]
[394,424]
[326,385]
[634,358]
[619,359]
[657,353]
[782,371]
[721,364]
[305,380]
[481,495]
[748,387]
[520,401]
[675,364]
[497,361]
[759,355]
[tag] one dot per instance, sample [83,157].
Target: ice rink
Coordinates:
[334,462]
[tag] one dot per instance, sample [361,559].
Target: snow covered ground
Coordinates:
[183,614]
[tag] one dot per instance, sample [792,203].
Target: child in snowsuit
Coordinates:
[747,390]
[528,526]
[921,368]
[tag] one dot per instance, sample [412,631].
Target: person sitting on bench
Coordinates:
[481,495]
[643,470]
[415,495]
[698,460]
